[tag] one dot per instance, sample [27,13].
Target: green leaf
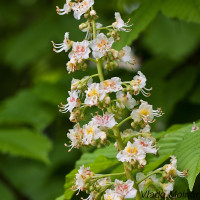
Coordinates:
[179,141]
[99,165]
[60,198]
[168,94]
[5,192]
[167,145]
[164,31]
[188,10]
[181,186]
[26,143]
[187,153]
[155,163]
[141,17]
[26,109]
[195,96]
[109,152]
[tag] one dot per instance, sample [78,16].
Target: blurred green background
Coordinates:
[33,159]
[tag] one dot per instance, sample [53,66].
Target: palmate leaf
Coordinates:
[99,165]
[188,155]
[188,10]
[185,146]
[26,143]
[167,146]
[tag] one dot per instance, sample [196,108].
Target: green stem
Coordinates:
[128,118]
[155,172]
[106,175]
[91,59]
[98,61]
[94,75]
[99,69]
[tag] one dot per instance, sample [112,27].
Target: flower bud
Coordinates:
[113,34]
[107,100]
[91,188]
[93,13]
[115,64]
[83,26]
[114,53]
[118,37]
[107,66]
[109,34]
[86,15]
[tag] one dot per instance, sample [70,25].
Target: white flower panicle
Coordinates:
[113,97]
[194,128]
[101,45]
[73,102]
[120,25]
[107,120]
[65,46]
[146,113]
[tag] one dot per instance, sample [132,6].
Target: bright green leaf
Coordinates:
[188,156]
[60,198]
